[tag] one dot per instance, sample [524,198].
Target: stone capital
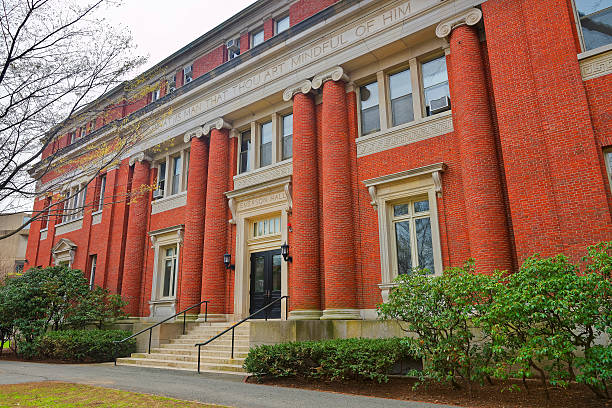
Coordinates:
[301,87]
[334,74]
[469,17]
[140,157]
[197,132]
[218,124]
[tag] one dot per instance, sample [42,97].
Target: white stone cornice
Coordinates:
[470,17]
[218,124]
[334,74]
[140,157]
[196,132]
[301,87]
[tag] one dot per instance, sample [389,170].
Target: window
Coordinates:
[45,216]
[233,48]
[257,38]
[370,117]
[102,190]
[282,24]
[270,226]
[187,74]
[412,236]
[595,20]
[19,266]
[176,175]
[93,259]
[154,95]
[73,137]
[92,126]
[265,148]
[435,86]
[161,177]
[608,159]
[82,131]
[73,206]
[171,84]
[187,155]
[245,152]
[287,129]
[400,94]
[168,275]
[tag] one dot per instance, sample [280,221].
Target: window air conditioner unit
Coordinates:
[159,193]
[439,105]
[233,45]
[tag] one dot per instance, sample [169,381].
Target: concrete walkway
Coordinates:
[208,388]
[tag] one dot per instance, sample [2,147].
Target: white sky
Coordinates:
[161,27]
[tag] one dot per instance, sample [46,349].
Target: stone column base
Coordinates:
[212,317]
[305,315]
[341,314]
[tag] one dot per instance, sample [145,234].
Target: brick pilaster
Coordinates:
[338,245]
[191,275]
[136,238]
[215,230]
[304,281]
[484,200]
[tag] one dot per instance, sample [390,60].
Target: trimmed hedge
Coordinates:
[339,359]
[84,346]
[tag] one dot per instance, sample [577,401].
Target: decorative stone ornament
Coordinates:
[140,157]
[197,132]
[469,17]
[218,124]
[301,87]
[334,74]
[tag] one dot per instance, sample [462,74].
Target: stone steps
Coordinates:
[181,354]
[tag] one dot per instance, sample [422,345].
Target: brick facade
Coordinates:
[522,152]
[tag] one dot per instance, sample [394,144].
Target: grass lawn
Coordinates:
[64,395]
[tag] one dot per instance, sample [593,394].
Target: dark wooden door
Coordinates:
[266,283]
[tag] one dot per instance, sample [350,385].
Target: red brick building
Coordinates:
[371,137]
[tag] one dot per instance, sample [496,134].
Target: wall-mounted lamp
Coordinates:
[285,253]
[227,261]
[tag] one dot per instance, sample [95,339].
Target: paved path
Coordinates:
[208,388]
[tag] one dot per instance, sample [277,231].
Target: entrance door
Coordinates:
[266,283]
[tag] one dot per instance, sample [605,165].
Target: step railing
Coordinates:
[150,329]
[265,308]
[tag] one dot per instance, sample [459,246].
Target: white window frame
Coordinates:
[385,191]
[73,136]
[76,202]
[187,74]
[155,95]
[102,192]
[161,240]
[92,270]
[254,33]
[608,160]
[581,35]
[279,19]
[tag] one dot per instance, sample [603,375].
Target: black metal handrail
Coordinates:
[199,345]
[150,329]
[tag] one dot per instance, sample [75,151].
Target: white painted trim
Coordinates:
[596,65]
[169,203]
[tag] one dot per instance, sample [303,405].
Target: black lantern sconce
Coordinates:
[285,253]
[227,261]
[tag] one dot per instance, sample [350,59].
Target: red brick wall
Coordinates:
[303,9]
[209,61]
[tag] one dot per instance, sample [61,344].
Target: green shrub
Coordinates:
[84,346]
[339,359]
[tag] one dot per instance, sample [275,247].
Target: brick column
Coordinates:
[193,243]
[136,235]
[338,245]
[215,230]
[484,200]
[304,281]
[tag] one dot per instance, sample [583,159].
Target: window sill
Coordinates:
[412,132]
[594,52]
[62,224]
[97,212]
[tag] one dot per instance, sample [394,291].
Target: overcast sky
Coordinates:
[161,27]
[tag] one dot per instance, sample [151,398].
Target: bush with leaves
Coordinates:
[52,298]
[338,359]
[547,318]
[439,310]
[84,346]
